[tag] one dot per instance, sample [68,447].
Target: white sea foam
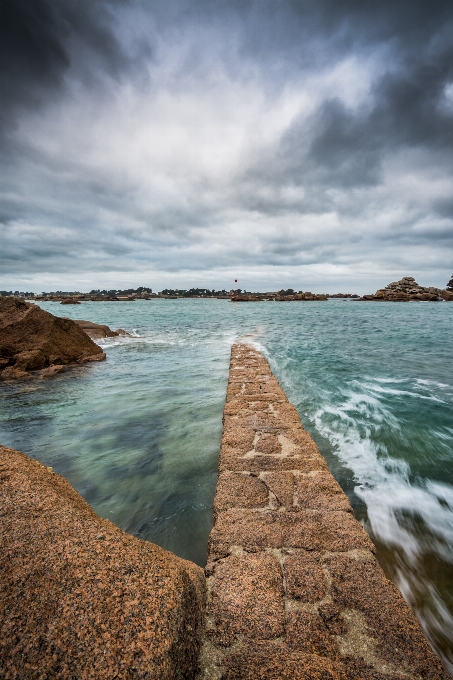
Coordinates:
[356,403]
[401,393]
[384,482]
[389,380]
[167,339]
[397,505]
[433,383]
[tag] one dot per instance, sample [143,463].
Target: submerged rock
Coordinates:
[50,371]
[12,373]
[33,339]
[79,597]
[97,330]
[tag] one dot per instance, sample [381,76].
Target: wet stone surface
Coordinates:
[294,589]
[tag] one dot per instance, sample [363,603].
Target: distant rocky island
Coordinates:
[278,297]
[408,290]
[95,295]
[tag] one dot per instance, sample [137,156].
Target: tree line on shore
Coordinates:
[238,293]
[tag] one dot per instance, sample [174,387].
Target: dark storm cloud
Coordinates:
[195,135]
[36,52]
[341,147]
[406,112]
[346,145]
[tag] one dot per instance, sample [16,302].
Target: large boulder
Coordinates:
[70,301]
[32,339]
[79,598]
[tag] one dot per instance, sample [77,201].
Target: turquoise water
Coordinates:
[138,435]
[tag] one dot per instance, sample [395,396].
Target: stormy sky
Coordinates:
[302,143]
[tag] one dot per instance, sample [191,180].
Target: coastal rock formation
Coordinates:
[296,297]
[301,297]
[70,301]
[32,339]
[408,289]
[344,295]
[97,331]
[79,597]
[294,588]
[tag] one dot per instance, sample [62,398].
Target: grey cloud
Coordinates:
[344,148]
[320,190]
[444,207]
[348,145]
[40,41]
[31,47]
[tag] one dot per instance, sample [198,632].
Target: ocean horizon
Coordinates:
[139,435]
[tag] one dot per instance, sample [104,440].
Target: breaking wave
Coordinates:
[408,514]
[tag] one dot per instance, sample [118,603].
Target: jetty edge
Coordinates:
[294,589]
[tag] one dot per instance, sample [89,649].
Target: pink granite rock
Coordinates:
[32,339]
[79,598]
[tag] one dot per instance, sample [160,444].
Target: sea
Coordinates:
[138,435]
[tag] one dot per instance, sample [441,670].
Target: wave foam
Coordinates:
[411,515]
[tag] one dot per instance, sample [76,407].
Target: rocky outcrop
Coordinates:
[294,588]
[97,331]
[70,301]
[297,297]
[301,297]
[407,289]
[79,597]
[33,339]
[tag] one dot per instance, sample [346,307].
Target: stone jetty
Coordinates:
[294,589]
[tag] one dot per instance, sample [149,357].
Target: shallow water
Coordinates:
[138,435]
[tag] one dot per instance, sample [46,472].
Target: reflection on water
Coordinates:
[138,436]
